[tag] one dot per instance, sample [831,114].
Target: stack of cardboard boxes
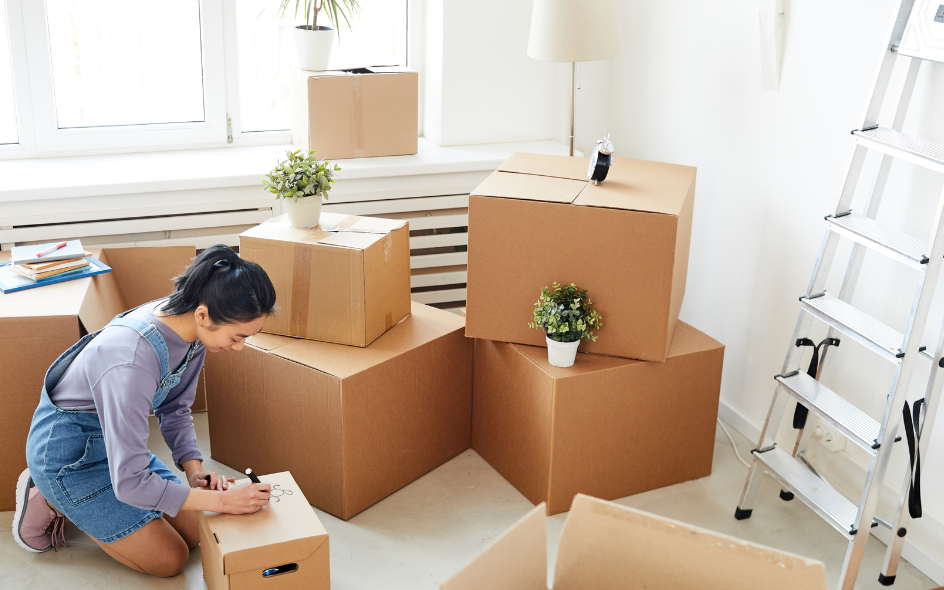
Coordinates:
[351,387]
[637,410]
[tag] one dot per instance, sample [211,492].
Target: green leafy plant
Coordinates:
[334,9]
[564,313]
[300,176]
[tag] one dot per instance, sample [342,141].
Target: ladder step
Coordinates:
[816,493]
[907,147]
[861,327]
[892,243]
[848,419]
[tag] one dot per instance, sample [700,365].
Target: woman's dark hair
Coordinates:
[234,290]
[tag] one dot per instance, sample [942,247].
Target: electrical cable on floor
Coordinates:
[733,446]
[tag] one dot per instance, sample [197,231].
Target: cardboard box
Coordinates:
[605,546]
[281,547]
[353,424]
[345,281]
[625,240]
[356,113]
[37,325]
[607,426]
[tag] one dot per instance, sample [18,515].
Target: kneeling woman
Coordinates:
[87,447]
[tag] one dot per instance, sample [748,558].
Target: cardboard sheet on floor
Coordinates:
[353,424]
[625,240]
[356,113]
[607,426]
[281,547]
[605,546]
[345,281]
[38,325]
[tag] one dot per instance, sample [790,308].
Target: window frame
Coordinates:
[38,132]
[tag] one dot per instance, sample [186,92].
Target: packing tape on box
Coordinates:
[388,247]
[301,281]
[357,130]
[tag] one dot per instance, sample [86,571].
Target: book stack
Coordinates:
[67,259]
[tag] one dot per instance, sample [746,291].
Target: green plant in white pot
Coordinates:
[564,313]
[313,42]
[301,181]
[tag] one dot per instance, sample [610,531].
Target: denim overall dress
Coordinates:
[65,450]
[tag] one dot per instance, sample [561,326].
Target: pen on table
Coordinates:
[51,249]
[252,476]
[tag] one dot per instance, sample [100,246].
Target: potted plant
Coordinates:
[313,42]
[564,313]
[301,181]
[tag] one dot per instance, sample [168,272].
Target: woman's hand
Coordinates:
[246,498]
[197,479]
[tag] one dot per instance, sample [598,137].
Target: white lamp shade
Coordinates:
[574,30]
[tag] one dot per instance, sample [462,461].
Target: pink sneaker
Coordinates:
[36,526]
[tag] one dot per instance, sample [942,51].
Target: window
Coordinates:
[120,62]
[267,51]
[123,75]
[7,100]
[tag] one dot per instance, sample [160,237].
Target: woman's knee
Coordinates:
[169,560]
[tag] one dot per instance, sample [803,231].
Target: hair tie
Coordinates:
[222,263]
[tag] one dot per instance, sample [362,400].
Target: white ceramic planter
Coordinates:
[313,48]
[306,212]
[561,354]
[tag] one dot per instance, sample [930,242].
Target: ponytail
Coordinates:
[234,290]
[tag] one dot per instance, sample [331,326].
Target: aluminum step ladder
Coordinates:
[790,469]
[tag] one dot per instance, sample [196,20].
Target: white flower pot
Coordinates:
[561,354]
[313,48]
[306,212]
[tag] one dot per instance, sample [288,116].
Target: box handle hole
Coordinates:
[282,569]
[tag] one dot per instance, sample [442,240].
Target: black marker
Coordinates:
[209,479]
[252,476]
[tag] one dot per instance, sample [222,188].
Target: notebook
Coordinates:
[27,254]
[11,282]
[38,275]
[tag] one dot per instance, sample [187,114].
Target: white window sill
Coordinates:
[123,174]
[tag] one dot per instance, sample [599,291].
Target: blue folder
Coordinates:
[11,281]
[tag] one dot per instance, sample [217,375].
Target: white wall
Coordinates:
[687,89]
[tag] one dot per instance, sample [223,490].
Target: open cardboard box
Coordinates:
[346,280]
[353,424]
[356,112]
[608,427]
[604,546]
[537,220]
[281,547]
[37,325]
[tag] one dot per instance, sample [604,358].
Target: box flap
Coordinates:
[145,273]
[59,299]
[543,165]
[425,324]
[689,340]
[640,185]
[533,188]
[286,531]
[517,560]
[358,232]
[603,545]
[264,341]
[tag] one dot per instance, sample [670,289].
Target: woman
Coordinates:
[87,447]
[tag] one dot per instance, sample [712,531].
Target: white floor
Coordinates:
[418,536]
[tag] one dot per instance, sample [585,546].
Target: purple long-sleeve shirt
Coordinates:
[116,376]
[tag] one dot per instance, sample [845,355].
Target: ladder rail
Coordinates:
[888,428]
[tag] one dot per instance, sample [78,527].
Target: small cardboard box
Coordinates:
[537,221]
[345,281]
[281,547]
[606,426]
[37,325]
[354,424]
[356,113]
[605,546]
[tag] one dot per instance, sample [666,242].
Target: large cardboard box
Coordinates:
[37,325]
[281,547]
[605,546]
[606,426]
[346,280]
[537,220]
[353,424]
[356,113]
